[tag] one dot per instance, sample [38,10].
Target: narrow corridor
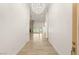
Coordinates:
[38,46]
[52,26]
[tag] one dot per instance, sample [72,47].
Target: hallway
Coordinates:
[38,46]
[49,23]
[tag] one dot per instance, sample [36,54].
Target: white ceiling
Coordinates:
[38,8]
[38,11]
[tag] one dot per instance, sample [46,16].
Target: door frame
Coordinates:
[74,28]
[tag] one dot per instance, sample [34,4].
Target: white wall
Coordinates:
[45,34]
[14,27]
[59,18]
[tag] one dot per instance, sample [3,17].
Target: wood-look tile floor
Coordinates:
[38,46]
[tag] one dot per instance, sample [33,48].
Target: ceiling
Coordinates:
[38,11]
[38,8]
